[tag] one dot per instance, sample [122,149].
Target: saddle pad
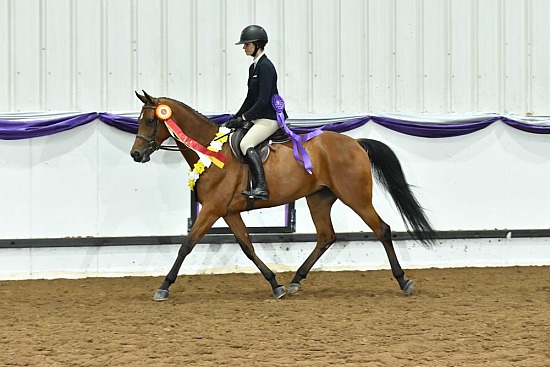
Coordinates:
[263,148]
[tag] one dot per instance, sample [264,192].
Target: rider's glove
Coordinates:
[235,123]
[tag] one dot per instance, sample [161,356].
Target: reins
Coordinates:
[175,148]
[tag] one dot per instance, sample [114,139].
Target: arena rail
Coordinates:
[260,238]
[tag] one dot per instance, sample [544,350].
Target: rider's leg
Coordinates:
[262,129]
[254,161]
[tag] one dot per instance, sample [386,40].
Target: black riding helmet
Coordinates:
[253,33]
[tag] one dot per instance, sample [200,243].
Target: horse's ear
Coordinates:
[149,98]
[141,98]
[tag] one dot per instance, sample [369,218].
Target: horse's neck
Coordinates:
[193,124]
[197,127]
[189,155]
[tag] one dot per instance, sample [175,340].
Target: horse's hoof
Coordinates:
[161,295]
[294,288]
[408,289]
[279,292]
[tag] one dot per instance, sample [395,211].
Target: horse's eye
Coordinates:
[151,120]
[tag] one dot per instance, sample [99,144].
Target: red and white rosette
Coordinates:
[163,112]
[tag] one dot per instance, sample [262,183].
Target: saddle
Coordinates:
[263,148]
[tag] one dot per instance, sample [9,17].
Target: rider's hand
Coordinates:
[235,123]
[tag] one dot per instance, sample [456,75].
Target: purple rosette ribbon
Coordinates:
[300,153]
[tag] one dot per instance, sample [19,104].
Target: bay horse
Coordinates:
[341,171]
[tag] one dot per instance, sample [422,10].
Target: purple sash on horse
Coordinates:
[299,152]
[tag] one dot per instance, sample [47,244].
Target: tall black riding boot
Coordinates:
[255,162]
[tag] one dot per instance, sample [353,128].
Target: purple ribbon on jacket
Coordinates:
[300,153]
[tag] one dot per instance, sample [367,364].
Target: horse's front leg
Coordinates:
[205,220]
[237,226]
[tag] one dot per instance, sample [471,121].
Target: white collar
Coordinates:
[257,58]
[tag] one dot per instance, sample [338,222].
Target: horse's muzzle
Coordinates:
[141,157]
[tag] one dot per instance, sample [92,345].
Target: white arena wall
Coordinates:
[350,57]
[83,184]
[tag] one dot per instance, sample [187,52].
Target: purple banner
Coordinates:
[13,130]
[25,129]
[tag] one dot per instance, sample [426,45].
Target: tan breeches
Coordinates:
[261,130]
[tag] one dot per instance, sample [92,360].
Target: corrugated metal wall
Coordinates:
[346,56]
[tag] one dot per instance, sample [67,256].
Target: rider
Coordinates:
[256,110]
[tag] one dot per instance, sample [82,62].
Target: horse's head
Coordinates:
[151,133]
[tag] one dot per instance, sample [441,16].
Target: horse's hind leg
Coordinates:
[237,226]
[382,231]
[406,285]
[319,205]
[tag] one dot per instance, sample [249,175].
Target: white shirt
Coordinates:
[257,58]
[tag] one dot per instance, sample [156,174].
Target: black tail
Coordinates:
[388,172]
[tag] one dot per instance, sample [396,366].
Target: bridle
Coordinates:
[153,146]
[152,141]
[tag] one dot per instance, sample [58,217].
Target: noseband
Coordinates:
[152,141]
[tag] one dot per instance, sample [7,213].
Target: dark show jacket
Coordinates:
[262,85]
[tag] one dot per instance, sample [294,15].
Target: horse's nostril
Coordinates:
[135,154]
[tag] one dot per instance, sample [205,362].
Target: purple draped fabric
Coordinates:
[17,129]
[433,130]
[128,124]
[335,126]
[12,130]
[536,129]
